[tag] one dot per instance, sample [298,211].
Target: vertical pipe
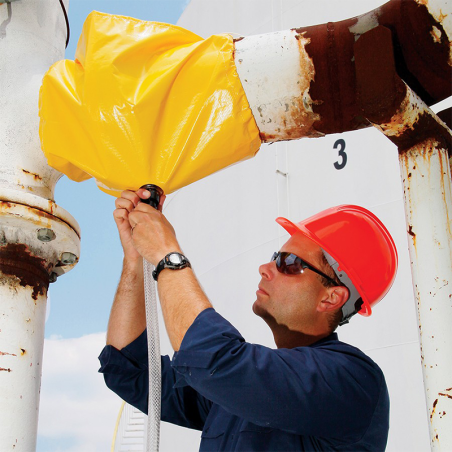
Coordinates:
[22,339]
[38,239]
[424,143]
[428,206]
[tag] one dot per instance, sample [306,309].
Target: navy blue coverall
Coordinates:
[246,397]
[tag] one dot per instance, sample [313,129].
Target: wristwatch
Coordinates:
[173,261]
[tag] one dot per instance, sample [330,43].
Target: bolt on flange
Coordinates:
[68,258]
[46,235]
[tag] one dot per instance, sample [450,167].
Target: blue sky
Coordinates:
[80,301]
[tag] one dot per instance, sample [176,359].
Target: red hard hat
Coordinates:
[358,247]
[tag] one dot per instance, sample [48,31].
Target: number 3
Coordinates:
[341,144]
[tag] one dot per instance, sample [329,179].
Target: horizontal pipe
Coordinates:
[302,82]
[276,73]
[388,102]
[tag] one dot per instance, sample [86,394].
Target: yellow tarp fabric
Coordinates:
[145,102]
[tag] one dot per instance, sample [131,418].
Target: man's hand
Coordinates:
[145,232]
[151,234]
[125,204]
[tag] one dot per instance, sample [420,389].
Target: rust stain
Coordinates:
[297,117]
[421,62]
[444,190]
[333,90]
[447,393]
[380,90]
[5,205]
[413,235]
[6,370]
[16,260]
[434,407]
[35,176]
[266,137]
[4,353]
[385,100]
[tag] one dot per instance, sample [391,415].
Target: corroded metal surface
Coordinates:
[421,60]
[387,101]
[428,206]
[35,233]
[20,225]
[446,117]
[16,261]
[425,144]
[420,35]
[279,100]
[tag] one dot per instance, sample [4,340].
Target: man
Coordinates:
[312,392]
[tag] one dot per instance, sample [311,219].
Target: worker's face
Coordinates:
[289,302]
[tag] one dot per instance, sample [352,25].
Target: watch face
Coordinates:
[175,259]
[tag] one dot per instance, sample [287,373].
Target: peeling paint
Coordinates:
[447,393]
[17,261]
[433,409]
[328,58]
[365,23]
[36,177]
[436,34]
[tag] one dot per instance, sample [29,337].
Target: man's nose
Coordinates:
[268,270]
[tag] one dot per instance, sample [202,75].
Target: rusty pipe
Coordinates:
[424,143]
[302,82]
[38,239]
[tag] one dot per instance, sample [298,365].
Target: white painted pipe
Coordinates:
[33,34]
[426,178]
[38,239]
[21,345]
[34,243]
[428,205]
[276,73]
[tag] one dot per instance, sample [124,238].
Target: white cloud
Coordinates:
[78,413]
[76,409]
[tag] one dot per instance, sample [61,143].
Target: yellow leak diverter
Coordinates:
[145,102]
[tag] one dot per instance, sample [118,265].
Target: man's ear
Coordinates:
[335,297]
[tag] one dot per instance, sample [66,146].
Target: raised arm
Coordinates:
[127,317]
[181,296]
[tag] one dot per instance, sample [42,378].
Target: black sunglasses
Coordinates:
[291,264]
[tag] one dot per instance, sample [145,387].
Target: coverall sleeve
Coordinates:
[126,373]
[306,391]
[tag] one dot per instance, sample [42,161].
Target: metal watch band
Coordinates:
[169,262]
